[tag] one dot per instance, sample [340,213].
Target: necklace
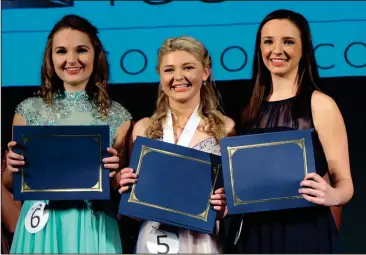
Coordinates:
[180,125]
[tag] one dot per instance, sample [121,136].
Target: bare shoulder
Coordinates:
[19,120]
[322,103]
[326,115]
[140,127]
[229,125]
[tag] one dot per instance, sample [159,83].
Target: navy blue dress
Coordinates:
[304,230]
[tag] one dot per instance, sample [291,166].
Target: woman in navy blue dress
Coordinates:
[286,97]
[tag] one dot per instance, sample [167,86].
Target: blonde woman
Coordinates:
[186,93]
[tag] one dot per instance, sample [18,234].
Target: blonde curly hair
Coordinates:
[209,103]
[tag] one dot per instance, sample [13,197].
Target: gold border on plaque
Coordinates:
[231,152]
[134,199]
[96,187]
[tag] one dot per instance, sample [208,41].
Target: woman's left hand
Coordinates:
[112,162]
[316,190]
[218,200]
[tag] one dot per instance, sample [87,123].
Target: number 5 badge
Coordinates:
[36,218]
[162,242]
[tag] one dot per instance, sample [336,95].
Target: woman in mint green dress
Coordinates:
[73,92]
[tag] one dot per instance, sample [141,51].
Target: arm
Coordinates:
[126,176]
[11,158]
[229,127]
[218,200]
[10,210]
[120,145]
[138,130]
[332,134]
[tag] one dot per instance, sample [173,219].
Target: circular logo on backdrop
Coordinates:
[133,62]
[234,51]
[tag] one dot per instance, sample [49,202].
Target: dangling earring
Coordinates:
[204,83]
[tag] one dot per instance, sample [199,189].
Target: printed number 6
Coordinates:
[164,244]
[35,217]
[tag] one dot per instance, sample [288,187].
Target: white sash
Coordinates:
[188,131]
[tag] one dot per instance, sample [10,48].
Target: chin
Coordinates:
[75,82]
[279,72]
[181,98]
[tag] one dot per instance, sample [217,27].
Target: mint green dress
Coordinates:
[73,226]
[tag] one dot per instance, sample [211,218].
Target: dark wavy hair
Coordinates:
[97,84]
[307,76]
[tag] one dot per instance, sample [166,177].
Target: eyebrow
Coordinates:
[79,46]
[271,37]
[184,64]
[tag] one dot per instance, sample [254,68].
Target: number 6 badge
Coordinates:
[36,218]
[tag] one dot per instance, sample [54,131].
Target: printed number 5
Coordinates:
[164,244]
[35,217]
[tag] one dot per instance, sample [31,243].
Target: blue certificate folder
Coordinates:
[62,163]
[262,172]
[174,185]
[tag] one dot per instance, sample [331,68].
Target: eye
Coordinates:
[188,67]
[289,42]
[267,41]
[82,50]
[61,51]
[167,70]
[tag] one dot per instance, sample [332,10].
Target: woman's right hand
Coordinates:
[127,177]
[13,160]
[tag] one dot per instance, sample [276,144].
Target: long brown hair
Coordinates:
[97,84]
[307,76]
[209,103]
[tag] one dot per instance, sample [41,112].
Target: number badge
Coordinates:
[36,218]
[162,242]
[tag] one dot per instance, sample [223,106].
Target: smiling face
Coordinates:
[181,76]
[73,58]
[281,46]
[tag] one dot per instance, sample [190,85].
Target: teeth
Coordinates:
[180,86]
[278,60]
[73,68]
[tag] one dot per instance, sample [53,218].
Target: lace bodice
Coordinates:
[71,108]
[209,145]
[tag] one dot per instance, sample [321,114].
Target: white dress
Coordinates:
[189,241]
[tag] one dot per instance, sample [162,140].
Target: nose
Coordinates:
[178,75]
[71,58]
[277,48]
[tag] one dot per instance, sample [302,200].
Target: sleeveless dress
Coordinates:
[189,241]
[73,226]
[300,230]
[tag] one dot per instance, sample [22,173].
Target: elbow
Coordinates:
[347,192]
[351,191]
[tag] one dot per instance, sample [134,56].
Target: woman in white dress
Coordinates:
[186,95]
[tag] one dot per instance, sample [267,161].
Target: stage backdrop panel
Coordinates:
[132,32]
